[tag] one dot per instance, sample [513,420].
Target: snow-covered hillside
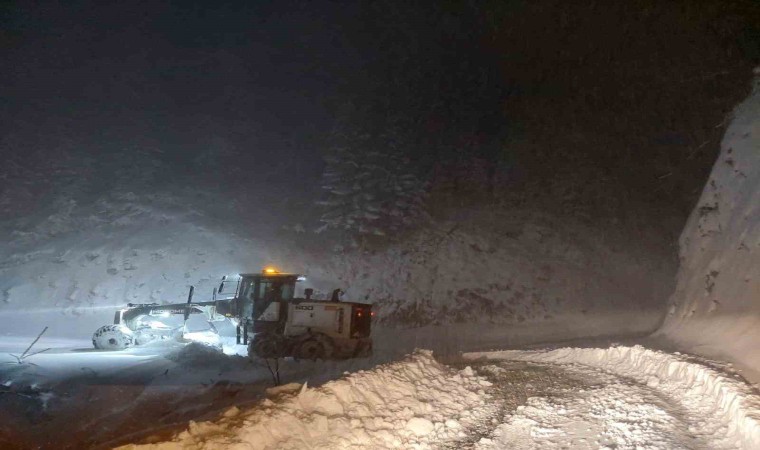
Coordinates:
[84,255]
[716,307]
[85,252]
[500,267]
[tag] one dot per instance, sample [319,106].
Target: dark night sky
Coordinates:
[264,81]
[174,75]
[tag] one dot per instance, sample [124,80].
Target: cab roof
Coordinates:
[269,275]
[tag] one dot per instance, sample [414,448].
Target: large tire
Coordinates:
[313,348]
[113,337]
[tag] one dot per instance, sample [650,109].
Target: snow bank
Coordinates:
[414,403]
[698,388]
[195,354]
[715,310]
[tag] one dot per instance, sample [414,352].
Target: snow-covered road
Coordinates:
[642,399]
[618,397]
[572,406]
[610,397]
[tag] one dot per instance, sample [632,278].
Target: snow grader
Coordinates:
[267,316]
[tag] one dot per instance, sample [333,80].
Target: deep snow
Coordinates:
[116,394]
[617,397]
[715,310]
[723,409]
[414,403]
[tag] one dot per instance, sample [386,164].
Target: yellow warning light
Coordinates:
[270,270]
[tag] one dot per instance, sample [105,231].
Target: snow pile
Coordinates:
[715,310]
[725,406]
[198,355]
[414,403]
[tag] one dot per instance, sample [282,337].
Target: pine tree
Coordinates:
[370,187]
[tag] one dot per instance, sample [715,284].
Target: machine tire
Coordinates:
[316,346]
[310,349]
[113,337]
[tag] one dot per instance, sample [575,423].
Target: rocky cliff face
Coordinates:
[715,309]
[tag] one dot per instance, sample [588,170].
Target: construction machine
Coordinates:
[267,316]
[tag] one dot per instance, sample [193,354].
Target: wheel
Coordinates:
[267,346]
[113,337]
[310,349]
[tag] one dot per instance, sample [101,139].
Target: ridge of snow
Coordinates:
[715,309]
[413,403]
[713,393]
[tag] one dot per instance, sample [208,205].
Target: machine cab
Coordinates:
[261,298]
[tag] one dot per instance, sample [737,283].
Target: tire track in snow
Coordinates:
[571,406]
[705,407]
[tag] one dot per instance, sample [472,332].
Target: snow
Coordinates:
[611,414]
[586,398]
[715,310]
[618,397]
[505,267]
[476,277]
[88,251]
[725,409]
[565,279]
[413,403]
[369,192]
[117,394]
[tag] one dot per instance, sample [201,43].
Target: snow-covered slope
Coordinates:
[86,232]
[502,267]
[85,260]
[716,306]
[496,268]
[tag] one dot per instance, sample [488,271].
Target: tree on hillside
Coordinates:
[369,185]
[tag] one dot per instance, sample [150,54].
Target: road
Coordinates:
[543,406]
[592,398]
